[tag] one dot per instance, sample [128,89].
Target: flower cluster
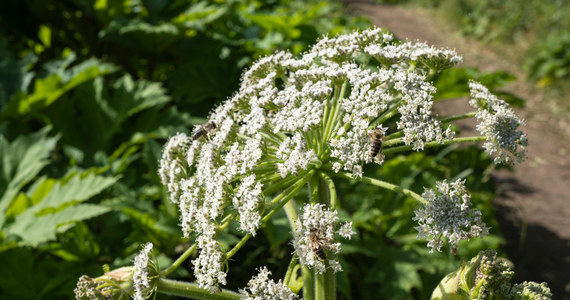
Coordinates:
[260,287]
[314,235]
[292,114]
[447,214]
[499,124]
[209,267]
[88,288]
[145,275]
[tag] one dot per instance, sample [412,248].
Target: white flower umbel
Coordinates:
[447,214]
[314,233]
[261,287]
[292,116]
[499,124]
[145,275]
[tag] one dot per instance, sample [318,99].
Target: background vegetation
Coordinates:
[90,90]
[535,34]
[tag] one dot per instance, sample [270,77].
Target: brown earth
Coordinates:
[533,206]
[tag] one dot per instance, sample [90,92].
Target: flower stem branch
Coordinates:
[433,144]
[382,184]
[178,261]
[458,117]
[192,290]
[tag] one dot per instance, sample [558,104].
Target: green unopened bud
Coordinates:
[115,284]
[483,277]
[529,290]
[487,277]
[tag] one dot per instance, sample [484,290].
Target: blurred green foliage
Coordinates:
[541,29]
[90,90]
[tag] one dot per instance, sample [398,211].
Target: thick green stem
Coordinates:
[330,284]
[290,269]
[192,290]
[308,283]
[332,196]
[382,184]
[434,144]
[320,287]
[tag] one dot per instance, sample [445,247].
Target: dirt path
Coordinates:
[533,206]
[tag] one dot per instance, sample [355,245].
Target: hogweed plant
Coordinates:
[310,121]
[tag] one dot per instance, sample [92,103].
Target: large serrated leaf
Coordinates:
[34,229]
[49,89]
[58,206]
[22,160]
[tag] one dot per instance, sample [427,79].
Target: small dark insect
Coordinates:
[376,137]
[203,131]
[315,243]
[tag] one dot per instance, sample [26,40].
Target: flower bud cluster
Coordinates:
[447,214]
[261,287]
[487,277]
[499,123]
[314,236]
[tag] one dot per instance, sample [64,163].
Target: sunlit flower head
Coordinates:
[448,214]
[499,123]
[296,113]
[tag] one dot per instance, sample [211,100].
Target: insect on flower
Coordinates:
[203,131]
[376,137]
[315,243]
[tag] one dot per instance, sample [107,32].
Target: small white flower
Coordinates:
[346,230]
[448,215]
[261,287]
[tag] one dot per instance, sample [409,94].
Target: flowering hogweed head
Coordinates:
[447,214]
[292,114]
[261,287]
[499,124]
[314,234]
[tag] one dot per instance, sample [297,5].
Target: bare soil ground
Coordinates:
[533,207]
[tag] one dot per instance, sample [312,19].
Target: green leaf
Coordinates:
[58,205]
[33,229]
[49,89]
[22,160]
